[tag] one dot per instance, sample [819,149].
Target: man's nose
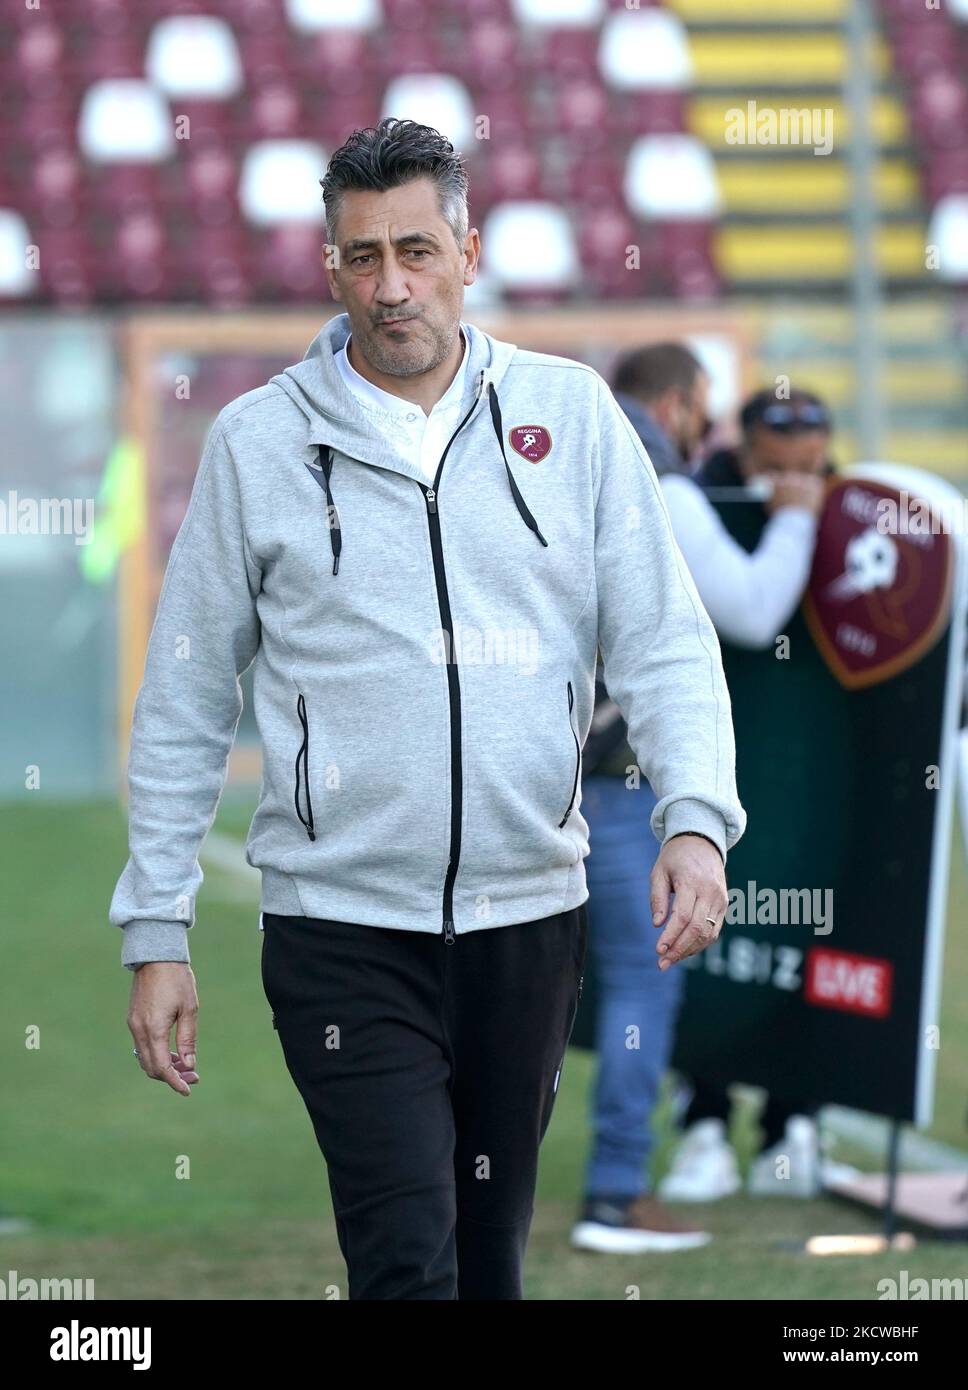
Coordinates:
[393,289]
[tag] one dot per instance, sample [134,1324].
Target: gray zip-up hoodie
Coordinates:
[424,654]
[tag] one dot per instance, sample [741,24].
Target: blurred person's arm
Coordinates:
[749,596]
[662,664]
[205,634]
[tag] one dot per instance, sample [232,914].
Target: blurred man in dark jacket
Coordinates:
[664,391]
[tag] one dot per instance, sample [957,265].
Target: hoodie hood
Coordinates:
[334,415]
[338,423]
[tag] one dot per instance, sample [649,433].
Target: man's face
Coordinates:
[772,453]
[401,276]
[694,418]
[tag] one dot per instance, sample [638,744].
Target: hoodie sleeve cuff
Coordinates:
[146,941]
[689,817]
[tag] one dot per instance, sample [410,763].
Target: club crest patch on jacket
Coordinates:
[532,442]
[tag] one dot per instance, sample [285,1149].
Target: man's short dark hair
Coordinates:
[393,153]
[794,412]
[648,372]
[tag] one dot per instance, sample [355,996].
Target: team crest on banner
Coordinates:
[530,441]
[880,586]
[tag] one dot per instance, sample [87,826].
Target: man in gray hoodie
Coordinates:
[420,536]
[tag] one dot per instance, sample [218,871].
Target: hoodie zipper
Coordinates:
[574,789]
[302,771]
[453,683]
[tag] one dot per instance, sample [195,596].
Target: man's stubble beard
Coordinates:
[409,359]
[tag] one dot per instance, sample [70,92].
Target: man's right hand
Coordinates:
[806,490]
[163,993]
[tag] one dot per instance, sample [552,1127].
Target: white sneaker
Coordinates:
[790,1168]
[704,1168]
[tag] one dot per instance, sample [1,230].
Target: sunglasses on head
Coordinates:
[788,416]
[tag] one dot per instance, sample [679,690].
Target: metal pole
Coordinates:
[893,1148]
[859,94]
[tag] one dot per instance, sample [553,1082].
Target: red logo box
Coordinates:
[857,984]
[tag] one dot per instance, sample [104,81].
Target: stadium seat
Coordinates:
[489,54]
[671,177]
[513,172]
[566,55]
[946,171]
[336,62]
[584,180]
[530,248]
[280,182]
[645,49]
[125,119]
[290,263]
[311,16]
[37,59]
[939,110]
[403,51]
[194,56]
[43,125]
[435,99]
[948,231]
[273,111]
[338,114]
[631,114]
[17,280]
[558,14]
[605,233]
[686,254]
[211,185]
[578,112]
[67,266]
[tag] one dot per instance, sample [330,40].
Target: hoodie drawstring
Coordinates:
[321,472]
[332,515]
[498,424]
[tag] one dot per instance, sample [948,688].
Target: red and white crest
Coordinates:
[877,599]
[532,442]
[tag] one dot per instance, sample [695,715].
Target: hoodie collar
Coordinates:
[337,419]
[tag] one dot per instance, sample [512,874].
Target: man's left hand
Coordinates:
[691,867]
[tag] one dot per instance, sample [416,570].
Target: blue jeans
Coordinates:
[633,991]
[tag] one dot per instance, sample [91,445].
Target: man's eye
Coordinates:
[418,252]
[358,260]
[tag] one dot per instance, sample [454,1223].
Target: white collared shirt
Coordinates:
[424,437]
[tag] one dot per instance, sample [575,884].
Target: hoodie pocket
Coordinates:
[574,785]
[302,772]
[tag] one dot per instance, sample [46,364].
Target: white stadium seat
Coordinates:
[671,177]
[280,182]
[558,14]
[127,120]
[194,56]
[948,231]
[645,50]
[16,278]
[434,99]
[530,245]
[311,16]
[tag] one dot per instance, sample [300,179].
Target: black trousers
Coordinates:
[429,1071]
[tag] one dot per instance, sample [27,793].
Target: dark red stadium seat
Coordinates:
[605,233]
[939,110]
[945,171]
[686,257]
[568,53]
[290,263]
[338,61]
[646,113]
[410,50]
[67,266]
